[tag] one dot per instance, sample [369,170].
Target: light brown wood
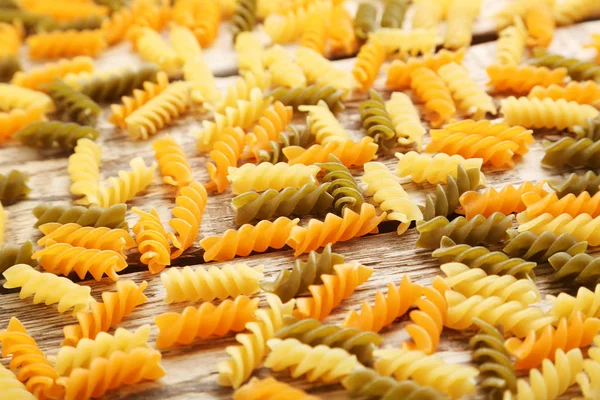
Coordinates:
[191,370]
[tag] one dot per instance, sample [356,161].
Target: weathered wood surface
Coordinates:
[191,370]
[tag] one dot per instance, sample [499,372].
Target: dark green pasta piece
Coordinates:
[9,65]
[293,137]
[343,188]
[577,69]
[445,200]
[530,246]
[114,5]
[108,89]
[313,332]
[497,372]
[79,24]
[74,104]
[393,13]
[367,383]
[479,230]
[290,283]
[244,17]
[29,20]
[492,262]
[112,217]
[13,187]
[583,267]
[310,95]
[13,254]
[309,199]
[377,121]
[571,152]
[365,20]
[591,130]
[576,184]
[45,135]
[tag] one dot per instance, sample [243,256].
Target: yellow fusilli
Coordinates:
[406,120]
[127,185]
[84,170]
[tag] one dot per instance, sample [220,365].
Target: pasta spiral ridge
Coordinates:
[590,130]
[523,78]
[470,281]
[205,321]
[451,379]
[377,121]
[127,185]
[315,32]
[226,153]
[114,307]
[569,12]
[14,96]
[110,217]
[433,169]
[84,171]
[321,71]
[13,187]
[334,289]
[576,184]
[112,86]
[393,14]
[403,43]
[151,47]
[239,90]
[18,119]
[386,309]
[45,135]
[172,161]
[252,347]
[270,388]
[48,288]
[244,17]
[310,95]
[248,238]
[587,302]
[151,238]
[368,62]
[270,125]
[530,246]
[309,199]
[294,138]
[516,318]
[62,258]
[201,17]
[469,96]
[491,262]
[507,200]
[479,229]
[348,152]
[445,201]
[76,105]
[323,124]
[69,43]
[582,227]
[13,254]
[207,284]
[318,363]
[582,267]
[334,229]
[36,77]
[577,69]
[495,365]
[568,204]
[33,368]
[13,388]
[187,216]
[284,71]
[511,43]
[540,24]
[313,333]
[533,350]
[406,120]
[587,92]
[271,176]
[365,20]
[9,66]
[70,358]
[428,321]
[433,91]
[343,188]
[101,238]
[572,152]
[367,382]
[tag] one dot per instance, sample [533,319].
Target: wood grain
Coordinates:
[191,370]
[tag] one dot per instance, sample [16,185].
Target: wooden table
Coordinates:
[191,370]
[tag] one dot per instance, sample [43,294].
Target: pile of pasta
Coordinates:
[294,185]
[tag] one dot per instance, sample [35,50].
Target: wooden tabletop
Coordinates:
[191,370]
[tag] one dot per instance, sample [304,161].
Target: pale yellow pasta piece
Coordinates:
[13,96]
[433,169]
[284,71]
[153,48]
[321,71]
[12,388]
[271,176]
[324,125]
[84,170]
[402,43]
[511,44]
[406,120]
[468,95]
[128,183]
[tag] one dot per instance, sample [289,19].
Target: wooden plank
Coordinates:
[191,370]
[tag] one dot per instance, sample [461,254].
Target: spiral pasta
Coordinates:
[400,72]
[586,92]
[566,306]
[187,216]
[521,79]
[342,39]
[289,25]
[11,36]
[284,71]
[365,20]
[114,307]
[390,196]
[314,36]
[568,204]
[101,238]
[13,388]
[450,379]
[9,66]
[15,97]
[127,185]
[405,119]
[432,90]
[251,351]
[577,69]
[68,44]
[540,24]
[47,134]
[460,18]
[310,95]
[393,14]
[151,238]
[595,44]
[323,124]
[470,98]
[111,217]
[13,254]
[570,11]
[528,245]
[343,188]
[152,48]
[479,229]
[433,169]
[211,283]
[60,12]
[17,119]
[244,17]
[13,187]
[239,90]
[571,152]
[368,62]
[296,139]
[507,200]
[334,229]
[62,258]
[576,184]
[376,120]
[77,106]
[48,288]
[201,17]
[491,262]
[268,176]
[104,345]
[172,162]
[348,152]
[205,321]
[320,71]
[28,362]
[511,43]
[580,267]
[581,227]
[269,388]
[248,238]
[275,119]
[36,77]
[428,321]
[591,130]
[429,13]
[533,350]
[402,43]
